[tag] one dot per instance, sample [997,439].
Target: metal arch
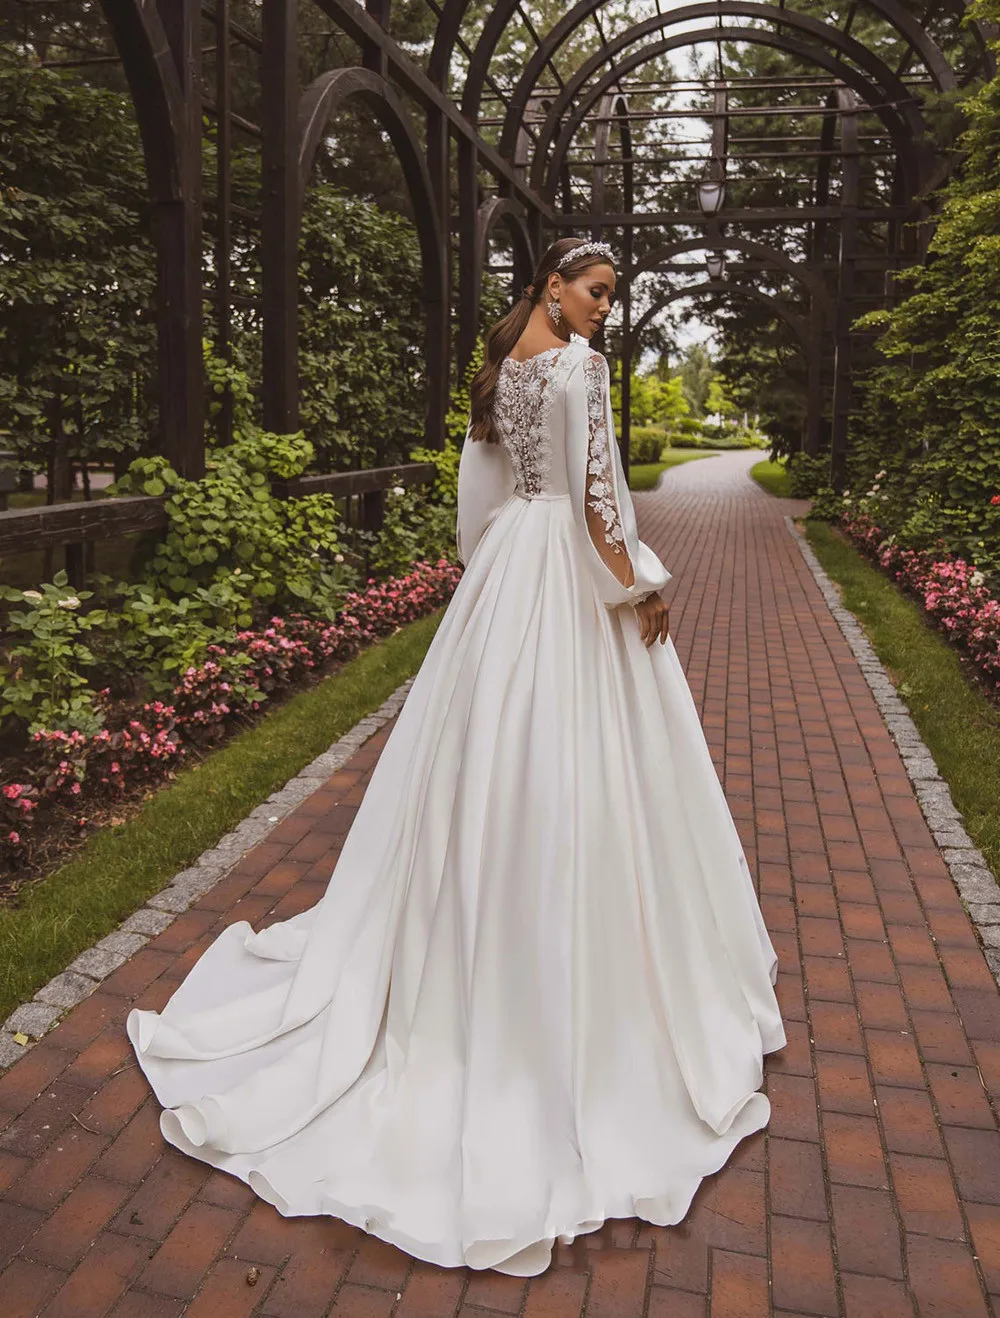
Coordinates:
[493,211]
[615,103]
[512,215]
[522,151]
[522,141]
[902,136]
[881,75]
[630,340]
[893,12]
[445,37]
[724,286]
[770,255]
[850,149]
[155,89]
[163,66]
[380,11]
[321,98]
[332,90]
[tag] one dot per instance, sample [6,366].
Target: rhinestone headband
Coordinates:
[588,249]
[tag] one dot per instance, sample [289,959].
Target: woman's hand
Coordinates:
[654,619]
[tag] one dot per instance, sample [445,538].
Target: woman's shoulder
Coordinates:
[586,358]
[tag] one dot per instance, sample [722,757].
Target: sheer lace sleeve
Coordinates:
[626,570]
[603,519]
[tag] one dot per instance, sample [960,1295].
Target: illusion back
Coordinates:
[523,414]
[531,427]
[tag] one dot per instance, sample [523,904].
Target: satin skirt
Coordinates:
[538,989]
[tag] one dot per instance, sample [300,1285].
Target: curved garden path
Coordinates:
[875,1192]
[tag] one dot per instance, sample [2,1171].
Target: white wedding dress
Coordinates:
[538,989]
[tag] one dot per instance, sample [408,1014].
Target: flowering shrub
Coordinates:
[72,771]
[954,592]
[41,680]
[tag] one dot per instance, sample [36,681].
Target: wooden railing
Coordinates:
[74,524]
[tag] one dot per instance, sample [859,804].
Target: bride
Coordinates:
[538,989]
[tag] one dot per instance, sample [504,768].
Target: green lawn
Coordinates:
[773,476]
[120,867]
[644,475]
[956,719]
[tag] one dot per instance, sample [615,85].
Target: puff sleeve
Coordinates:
[624,568]
[485,482]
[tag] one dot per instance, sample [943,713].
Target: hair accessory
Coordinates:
[587,249]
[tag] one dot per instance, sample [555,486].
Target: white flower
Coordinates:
[32,594]
[977,578]
[70,602]
[398,489]
[873,488]
[338,558]
[879,475]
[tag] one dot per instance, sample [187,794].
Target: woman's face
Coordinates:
[585,298]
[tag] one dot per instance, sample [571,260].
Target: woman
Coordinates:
[538,989]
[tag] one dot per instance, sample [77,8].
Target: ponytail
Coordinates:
[506,332]
[499,341]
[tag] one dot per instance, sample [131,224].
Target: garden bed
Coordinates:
[60,787]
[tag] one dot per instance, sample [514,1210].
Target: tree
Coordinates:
[930,410]
[696,371]
[77,337]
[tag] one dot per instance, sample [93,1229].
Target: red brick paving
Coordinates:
[874,1192]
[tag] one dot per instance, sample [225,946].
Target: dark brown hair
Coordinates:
[506,332]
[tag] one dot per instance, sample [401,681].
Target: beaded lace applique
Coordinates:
[521,408]
[600,479]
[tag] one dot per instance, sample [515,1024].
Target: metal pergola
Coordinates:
[510,132]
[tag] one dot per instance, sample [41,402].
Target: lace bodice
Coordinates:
[522,408]
[554,446]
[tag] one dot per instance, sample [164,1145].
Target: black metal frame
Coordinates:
[461,183]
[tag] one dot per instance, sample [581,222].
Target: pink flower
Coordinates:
[14,838]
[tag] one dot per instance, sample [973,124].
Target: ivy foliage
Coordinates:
[929,413]
[361,359]
[77,337]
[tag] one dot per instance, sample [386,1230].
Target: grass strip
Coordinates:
[644,475]
[774,478]
[956,718]
[121,866]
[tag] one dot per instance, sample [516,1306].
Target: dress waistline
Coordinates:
[522,494]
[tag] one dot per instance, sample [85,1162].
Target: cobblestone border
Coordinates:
[83,975]
[976,882]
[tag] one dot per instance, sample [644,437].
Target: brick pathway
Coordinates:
[875,1191]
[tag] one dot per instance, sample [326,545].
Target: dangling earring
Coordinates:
[555,310]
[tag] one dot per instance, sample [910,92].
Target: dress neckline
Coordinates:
[544,353]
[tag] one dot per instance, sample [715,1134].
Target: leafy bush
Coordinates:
[808,474]
[928,417]
[361,356]
[646,443]
[45,669]
[77,331]
[68,772]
